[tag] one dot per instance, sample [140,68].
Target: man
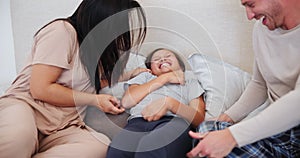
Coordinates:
[275,132]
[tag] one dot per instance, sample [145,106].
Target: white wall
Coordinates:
[30,15]
[7,58]
[215,27]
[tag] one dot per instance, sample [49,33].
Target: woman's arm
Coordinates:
[44,87]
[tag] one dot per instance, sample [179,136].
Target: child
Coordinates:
[160,103]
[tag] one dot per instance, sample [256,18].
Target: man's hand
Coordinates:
[213,144]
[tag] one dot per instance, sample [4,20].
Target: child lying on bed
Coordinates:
[162,105]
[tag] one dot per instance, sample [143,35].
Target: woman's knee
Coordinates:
[18,119]
[92,150]
[18,129]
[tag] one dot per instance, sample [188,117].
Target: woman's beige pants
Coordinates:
[19,137]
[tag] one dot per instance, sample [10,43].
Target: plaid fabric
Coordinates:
[286,144]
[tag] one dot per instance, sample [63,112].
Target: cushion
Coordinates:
[223,83]
[135,60]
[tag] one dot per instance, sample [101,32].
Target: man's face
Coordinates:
[269,10]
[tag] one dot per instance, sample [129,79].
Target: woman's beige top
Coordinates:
[276,76]
[54,45]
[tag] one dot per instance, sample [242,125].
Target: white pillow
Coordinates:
[134,61]
[223,83]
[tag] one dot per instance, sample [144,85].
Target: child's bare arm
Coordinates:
[194,112]
[135,93]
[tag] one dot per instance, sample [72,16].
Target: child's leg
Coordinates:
[125,143]
[168,140]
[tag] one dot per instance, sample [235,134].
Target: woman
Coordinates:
[39,117]
[162,105]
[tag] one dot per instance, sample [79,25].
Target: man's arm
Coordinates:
[254,95]
[281,115]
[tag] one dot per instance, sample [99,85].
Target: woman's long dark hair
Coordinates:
[89,14]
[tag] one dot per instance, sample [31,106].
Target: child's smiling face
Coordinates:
[164,61]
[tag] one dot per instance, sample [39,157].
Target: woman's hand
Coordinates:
[109,104]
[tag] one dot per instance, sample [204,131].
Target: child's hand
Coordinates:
[176,77]
[156,109]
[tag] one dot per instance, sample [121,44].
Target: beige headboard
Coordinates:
[214,27]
